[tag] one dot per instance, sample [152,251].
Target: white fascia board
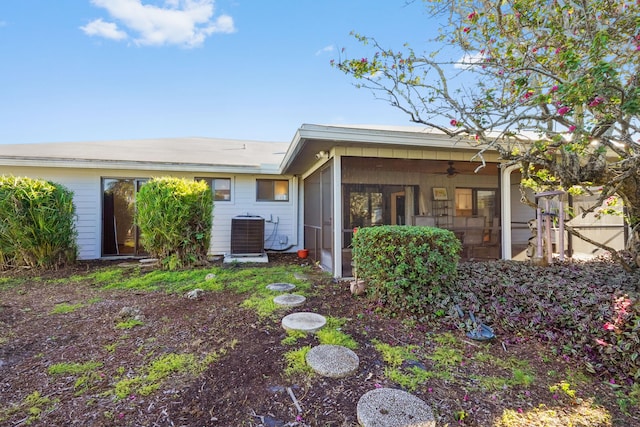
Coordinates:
[292,151]
[379,136]
[173,167]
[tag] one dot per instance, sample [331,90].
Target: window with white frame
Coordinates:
[272,190]
[221,188]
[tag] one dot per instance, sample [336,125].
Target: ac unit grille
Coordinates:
[247,236]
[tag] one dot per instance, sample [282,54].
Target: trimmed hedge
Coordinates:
[405,267]
[175,219]
[36,223]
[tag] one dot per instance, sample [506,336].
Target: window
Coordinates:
[221,188]
[270,190]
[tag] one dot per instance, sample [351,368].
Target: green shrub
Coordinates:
[175,217]
[37,227]
[406,267]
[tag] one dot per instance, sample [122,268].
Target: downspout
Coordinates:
[505,200]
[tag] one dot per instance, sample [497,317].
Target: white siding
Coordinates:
[86,186]
[280,217]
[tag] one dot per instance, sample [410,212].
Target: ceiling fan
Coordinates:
[451,171]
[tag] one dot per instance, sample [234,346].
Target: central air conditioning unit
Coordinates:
[247,235]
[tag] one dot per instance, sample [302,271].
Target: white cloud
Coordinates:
[329,48]
[178,22]
[469,60]
[108,30]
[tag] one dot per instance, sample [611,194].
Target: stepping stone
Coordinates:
[281,287]
[334,361]
[300,276]
[290,300]
[304,321]
[388,407]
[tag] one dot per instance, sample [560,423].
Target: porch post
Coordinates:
[337,215]
[505,202]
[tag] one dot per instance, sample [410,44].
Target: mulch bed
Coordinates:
[246,385]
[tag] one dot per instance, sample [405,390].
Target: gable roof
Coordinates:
[173,154]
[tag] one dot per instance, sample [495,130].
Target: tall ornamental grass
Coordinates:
[406,267]
[174,216]
[36,224]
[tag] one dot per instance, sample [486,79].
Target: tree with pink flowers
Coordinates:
[552,85]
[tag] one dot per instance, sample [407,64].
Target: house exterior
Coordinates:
[311,192]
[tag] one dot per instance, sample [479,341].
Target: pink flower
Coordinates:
[609,327]
[563,110]
[572,128]
[454,122]
[376,385]
[554,88]
[612,381]
[465,398]
[596,101]
[472,16]
[528,95]
[602,342]
[363,60]
[299,418]
[520,410]
[466,29]
[430,390]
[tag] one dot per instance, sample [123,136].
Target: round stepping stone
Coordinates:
[304,321]
[290,300]
[388,407]
[281,287]
[334,361]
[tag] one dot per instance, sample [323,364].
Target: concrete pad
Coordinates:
[281,287]
[388,407]
[334,361]
[246,259]
[304,321]
[290,300]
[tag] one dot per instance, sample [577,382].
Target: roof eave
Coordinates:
[133,165]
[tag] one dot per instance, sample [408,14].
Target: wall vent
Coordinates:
[247,235]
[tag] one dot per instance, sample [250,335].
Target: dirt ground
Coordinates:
[245,385]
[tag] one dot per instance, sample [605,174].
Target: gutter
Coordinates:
[135,165]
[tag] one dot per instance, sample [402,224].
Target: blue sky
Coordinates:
[94,70]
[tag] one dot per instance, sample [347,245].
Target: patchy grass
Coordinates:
[129,324]
[152,375]
[331,334]
[64,308]
[533,374]
[585,414]
[296,362]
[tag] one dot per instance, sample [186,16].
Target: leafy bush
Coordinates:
[37,227]
[175,218]
[405,267]
[590,311]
